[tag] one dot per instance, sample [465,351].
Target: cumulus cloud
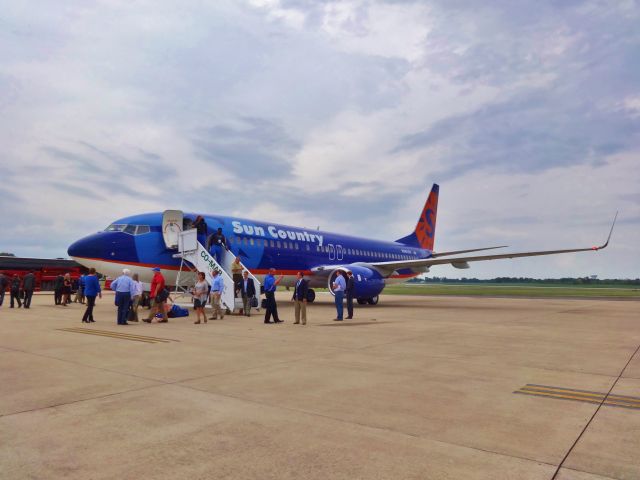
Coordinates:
[332,113]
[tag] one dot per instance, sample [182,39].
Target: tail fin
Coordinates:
[424,234]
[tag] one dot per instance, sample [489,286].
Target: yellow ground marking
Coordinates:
[120,335]
[580,396]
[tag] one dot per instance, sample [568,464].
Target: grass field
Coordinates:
[494,290]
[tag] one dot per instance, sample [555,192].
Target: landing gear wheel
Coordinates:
[311,295]
[362,301]
[373,300]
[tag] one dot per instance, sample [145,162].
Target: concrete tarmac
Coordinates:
[414,388]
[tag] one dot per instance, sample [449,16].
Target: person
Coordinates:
[3,286]
[236,273]
[200,297]
[349,292]
[66,289]
[339,285]
[270,285]
[157,297]
[125,288]
[57,289]
[200,225]
[91,291]
[247,290]
[217,287]
[28,286]
[15,291]
[217,242]
[137,296]
[300,299]
[80,291]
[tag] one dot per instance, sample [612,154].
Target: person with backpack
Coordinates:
[158,296]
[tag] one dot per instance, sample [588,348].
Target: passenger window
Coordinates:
[271,243]
[244,241]
[278,244]
[308,248]
[130,229]
[142,229]
[297,247]
[251,241]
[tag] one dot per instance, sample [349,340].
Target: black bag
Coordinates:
[162,295]
[264,303]
[254,302]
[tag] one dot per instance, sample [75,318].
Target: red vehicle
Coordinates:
[45,270]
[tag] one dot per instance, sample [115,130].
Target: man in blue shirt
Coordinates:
[125,288]
[217,287]
[338,287]
[270,285]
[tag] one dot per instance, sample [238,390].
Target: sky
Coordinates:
[338,114]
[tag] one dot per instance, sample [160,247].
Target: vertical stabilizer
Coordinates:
[424,234]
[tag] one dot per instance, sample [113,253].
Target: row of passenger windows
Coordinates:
[260,242]
[130,229]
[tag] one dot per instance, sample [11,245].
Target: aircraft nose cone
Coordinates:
[87,247]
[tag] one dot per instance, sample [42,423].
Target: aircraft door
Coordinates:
[171,227]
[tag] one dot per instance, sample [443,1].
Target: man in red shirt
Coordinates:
[158,300]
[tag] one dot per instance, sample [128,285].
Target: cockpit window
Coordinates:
[130,229]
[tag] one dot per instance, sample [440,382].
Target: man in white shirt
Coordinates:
[217,287]
[339,285]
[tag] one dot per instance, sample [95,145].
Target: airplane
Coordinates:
[148,240]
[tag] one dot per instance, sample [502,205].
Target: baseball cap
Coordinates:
[155,269]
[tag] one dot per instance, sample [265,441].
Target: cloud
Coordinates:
[332,113]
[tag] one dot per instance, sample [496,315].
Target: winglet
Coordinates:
[609,237]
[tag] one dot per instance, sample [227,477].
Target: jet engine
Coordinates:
[368,283]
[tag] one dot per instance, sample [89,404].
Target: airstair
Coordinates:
[194,256]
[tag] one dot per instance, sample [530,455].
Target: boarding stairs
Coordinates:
[195,258]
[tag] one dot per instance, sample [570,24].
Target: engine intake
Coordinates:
[368,283]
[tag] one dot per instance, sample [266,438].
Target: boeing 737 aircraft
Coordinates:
[149,240]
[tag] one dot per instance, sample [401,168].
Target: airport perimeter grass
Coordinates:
[494,290]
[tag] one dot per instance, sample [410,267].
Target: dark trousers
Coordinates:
[27,298]
[1,296]
[350,305]
[272,307]
[88,314]
[57,295]
[339,308]
[15,294]
[123,301]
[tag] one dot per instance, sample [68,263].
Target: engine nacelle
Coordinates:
[368,283]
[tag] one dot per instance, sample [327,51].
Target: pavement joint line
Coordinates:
[615,382]
[364,425]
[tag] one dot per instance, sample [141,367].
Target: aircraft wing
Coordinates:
[387,268]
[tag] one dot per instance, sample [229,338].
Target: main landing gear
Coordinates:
[370,301]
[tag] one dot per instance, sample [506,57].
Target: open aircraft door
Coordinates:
[171,227]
